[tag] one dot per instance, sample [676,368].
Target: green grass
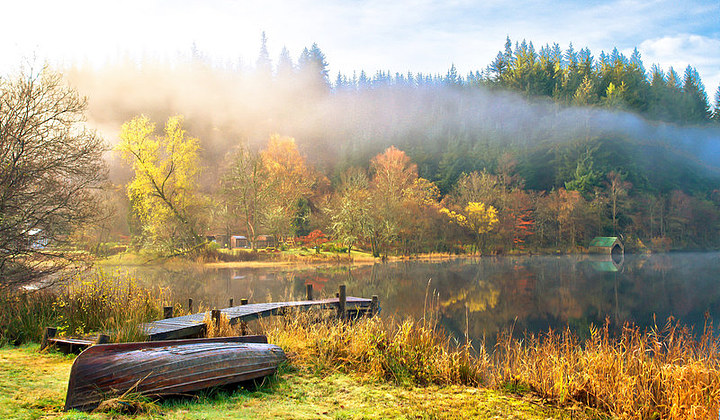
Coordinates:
[33,386]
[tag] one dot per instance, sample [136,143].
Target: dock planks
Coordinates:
[193,325]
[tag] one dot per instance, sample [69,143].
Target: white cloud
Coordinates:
[682,50]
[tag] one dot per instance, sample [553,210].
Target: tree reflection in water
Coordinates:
[533,293]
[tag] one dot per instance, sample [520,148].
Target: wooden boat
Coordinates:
[167,367]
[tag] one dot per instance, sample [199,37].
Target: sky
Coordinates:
[398,36]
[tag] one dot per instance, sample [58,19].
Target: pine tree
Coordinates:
[695,100]
[452,78]
[716,107]
[672,80]
[263,66]
[285,68]
[313,67]
[585,94]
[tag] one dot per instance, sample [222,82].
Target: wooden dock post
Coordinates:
[167,312]
[215,315]
[308,292]
[243,301]
[50,332]
[374,304]
[190,308]
[342,302]
[102,339]
[232,301]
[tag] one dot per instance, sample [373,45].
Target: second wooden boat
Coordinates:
[167,367]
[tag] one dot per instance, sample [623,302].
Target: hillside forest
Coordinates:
[540,151]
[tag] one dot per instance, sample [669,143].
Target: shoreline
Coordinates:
[360,261]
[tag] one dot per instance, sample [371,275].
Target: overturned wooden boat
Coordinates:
[167,367]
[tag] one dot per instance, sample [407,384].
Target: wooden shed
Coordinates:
[606,245]
[237,241]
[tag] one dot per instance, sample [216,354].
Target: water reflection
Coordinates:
[488,294]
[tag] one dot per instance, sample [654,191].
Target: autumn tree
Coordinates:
[351,208]
[314,239]
[288,179]
[163,192]
[244,190]
[478,217]
[50,163]
[393,173]
[564,203]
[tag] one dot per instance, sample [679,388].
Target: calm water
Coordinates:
[486,294]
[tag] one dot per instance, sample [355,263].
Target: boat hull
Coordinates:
[167,367]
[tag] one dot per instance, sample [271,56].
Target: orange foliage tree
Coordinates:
[288,179]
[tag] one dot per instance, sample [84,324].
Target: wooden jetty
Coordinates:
[194,325]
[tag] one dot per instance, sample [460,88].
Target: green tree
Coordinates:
[263,66]
[585,94]
[585,178]
[716,107]
[695,100]
[164,191]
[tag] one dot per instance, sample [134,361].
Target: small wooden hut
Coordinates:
[606,245]
[237,241]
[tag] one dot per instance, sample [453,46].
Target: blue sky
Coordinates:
[420,36]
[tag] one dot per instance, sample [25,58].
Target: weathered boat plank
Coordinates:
[168,367]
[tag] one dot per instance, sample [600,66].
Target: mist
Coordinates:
[340,127]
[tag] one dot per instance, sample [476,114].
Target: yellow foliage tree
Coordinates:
[477,217]
[163,192]
[481,218]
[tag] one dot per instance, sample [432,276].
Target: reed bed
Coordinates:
[405,352]
[663,373]
[115,305]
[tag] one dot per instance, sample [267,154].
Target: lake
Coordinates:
[482,295]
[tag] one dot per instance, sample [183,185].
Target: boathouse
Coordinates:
[606,245]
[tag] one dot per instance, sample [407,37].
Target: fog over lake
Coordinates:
[486,294]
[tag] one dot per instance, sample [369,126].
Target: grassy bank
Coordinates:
[33,385]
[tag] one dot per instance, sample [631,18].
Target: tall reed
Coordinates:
[116,305]
[24,314]
[663,373]
[405,352]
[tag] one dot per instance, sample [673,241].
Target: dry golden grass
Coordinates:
[221,328]
[663,373]
[659,374]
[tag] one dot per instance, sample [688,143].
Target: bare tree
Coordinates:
[49,164]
